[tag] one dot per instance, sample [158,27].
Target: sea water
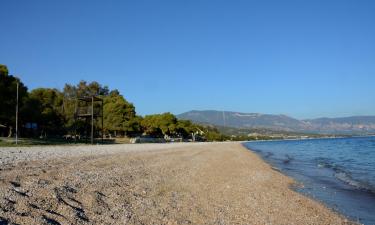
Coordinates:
[339,172]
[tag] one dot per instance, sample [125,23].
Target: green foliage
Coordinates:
[49,106]
[72,92]
[185,128]
[132,127]
[84,89]
[8,96]
[160,124]
[150,125]
[54,111]
[3,70]
[119,114]
[212,134]
[167,123]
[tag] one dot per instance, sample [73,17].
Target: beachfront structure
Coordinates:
[89,109]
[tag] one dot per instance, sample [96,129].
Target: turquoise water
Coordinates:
[339,172]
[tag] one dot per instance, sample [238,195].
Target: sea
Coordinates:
[339,172]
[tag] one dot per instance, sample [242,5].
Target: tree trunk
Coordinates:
[10,132]
[193,137]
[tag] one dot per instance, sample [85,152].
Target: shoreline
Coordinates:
[208,183]
[312,138]
[330,171]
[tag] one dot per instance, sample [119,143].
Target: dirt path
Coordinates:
[194,184]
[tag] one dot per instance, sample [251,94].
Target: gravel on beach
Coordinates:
[181,183]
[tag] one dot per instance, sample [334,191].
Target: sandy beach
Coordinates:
[187,183]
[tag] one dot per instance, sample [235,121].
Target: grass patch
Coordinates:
[11,142]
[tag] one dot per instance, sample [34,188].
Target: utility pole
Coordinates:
[224,118]
[92,119]
[102,121]
[17,116]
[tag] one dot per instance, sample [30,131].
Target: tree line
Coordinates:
[49,112]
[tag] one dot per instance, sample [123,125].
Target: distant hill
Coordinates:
[346,125]
[352,124]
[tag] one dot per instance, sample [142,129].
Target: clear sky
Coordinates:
[305,58]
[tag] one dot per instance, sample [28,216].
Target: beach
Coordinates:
[183,183]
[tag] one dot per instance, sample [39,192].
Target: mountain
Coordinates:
[345,125]
[242,120]
[352,124]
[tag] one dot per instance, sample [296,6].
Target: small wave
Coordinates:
[342,175]
[288,159]
[254,149]
[268,154]
[325,163]
[347,178]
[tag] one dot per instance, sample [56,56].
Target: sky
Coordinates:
[305,59]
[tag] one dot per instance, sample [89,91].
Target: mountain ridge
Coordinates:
[344,125]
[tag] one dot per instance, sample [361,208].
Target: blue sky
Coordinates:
[305,59]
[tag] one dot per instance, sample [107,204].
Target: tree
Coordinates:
[50,105]
[133,126]
[167,123]
[185,128]
[8,97]
[54,111]
[3,70]
[83,89]
[212,134]
[119,115]
[70,95]
[160,124]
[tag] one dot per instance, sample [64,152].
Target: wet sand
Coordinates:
[208,183]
